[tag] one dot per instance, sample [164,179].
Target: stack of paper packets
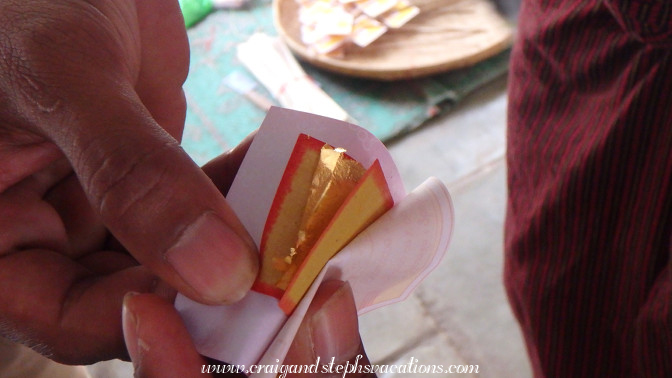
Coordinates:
[329,26]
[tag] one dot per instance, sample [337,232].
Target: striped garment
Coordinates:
[589,220]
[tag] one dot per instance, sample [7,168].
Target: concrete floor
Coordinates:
[459,315]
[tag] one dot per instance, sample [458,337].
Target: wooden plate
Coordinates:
[447,34]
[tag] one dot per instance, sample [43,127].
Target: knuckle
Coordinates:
[125,181]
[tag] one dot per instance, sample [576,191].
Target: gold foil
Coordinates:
[336,174]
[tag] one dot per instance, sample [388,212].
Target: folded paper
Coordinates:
[383,263]
[272,63]
[324,199]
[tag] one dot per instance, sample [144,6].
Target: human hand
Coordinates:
[91,112]
[159,343]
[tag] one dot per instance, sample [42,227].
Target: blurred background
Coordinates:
[441,111]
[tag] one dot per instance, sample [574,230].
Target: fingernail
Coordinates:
[334,328]
[130,327]
[216,262]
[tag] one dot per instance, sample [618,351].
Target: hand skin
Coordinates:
[91,114]
[160,346]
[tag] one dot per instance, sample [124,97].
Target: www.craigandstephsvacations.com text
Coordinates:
[319,367]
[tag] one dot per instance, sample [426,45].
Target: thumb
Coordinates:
[159,204]
[329,334]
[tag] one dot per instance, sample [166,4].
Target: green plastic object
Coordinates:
[195,10]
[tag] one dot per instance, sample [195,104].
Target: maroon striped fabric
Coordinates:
[589,220]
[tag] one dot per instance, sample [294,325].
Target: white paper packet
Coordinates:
[383,264]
